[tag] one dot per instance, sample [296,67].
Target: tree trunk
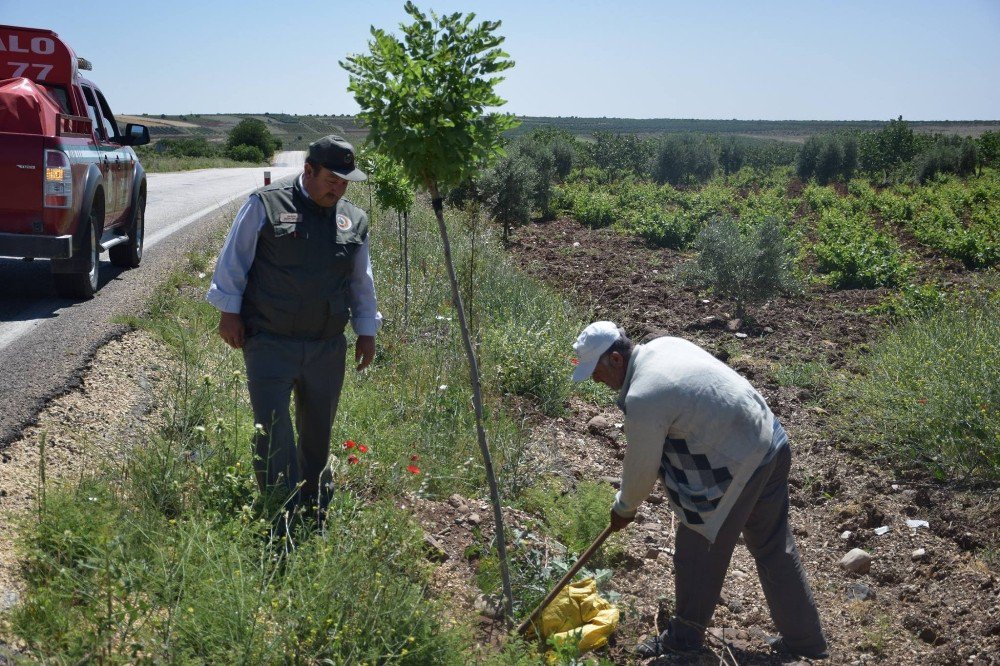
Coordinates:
[406,265]
[469,292]
[477,401]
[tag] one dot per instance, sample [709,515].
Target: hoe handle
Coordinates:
[565,579]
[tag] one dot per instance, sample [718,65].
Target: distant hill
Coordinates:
[296,132]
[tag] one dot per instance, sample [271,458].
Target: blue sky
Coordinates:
[784,59]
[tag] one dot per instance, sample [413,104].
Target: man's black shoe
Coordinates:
[661,645]
[778,644]
[650,648]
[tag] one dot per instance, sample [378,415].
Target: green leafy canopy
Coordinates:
[393,189]
[424,97]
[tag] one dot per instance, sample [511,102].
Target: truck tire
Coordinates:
[129,253]
[83,285]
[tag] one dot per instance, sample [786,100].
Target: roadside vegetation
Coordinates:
[249,143]
[168,552]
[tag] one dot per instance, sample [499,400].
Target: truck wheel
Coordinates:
[129,253]
[82,285]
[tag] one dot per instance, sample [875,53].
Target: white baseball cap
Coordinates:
[591,343]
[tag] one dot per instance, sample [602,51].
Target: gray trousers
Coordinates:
[313,371]
[761,515]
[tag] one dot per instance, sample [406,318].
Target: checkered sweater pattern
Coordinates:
[696,424]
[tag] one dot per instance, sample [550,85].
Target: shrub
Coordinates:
[682,159]
[854,254]
[673,229]
[988,147]
[192,147]
[930,397]
[828,157]
[245,153]
[946,155]
[595,209]
[746,267]
[619,155]
[508,189]
[961,219]
[252,132]
[888,149]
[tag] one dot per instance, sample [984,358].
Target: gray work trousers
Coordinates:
[761,515]
[312,370]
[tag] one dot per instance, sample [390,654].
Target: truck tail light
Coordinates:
[58,191]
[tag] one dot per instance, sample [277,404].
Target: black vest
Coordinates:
[299,282]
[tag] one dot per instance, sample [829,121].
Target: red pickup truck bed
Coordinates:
[73,186]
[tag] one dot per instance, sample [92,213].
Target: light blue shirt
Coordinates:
[236,258]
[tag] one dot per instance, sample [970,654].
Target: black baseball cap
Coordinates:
[337,155]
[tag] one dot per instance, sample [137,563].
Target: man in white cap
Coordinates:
[724,458]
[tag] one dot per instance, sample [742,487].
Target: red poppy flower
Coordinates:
[362,448]
[353,459]
[349,444]
[413,469]
[922,401]
[575,361]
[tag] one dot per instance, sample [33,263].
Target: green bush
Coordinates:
[748,267]
[508,189]
[253,132]
[674,229]
[930,393]
[595,209]
[682,159]
[947,155]
[854,254]
[962,219]
[828,157]
[245,153]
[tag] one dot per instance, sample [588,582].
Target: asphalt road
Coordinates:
[46,342]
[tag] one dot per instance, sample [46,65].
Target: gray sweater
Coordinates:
[694,422]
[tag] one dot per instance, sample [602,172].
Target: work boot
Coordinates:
[779,645]
[660,645]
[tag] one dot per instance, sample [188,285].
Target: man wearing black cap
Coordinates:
[294,270]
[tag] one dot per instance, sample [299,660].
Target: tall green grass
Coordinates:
[931,391]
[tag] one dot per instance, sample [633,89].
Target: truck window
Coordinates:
[110,126]
[58,93]
[92,110]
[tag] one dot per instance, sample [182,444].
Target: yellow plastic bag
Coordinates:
[581,615]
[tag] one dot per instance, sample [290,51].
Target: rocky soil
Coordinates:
[931,593]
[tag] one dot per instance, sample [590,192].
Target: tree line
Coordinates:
[519,184]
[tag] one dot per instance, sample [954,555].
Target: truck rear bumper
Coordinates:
[39,247]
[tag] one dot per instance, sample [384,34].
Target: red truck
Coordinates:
[70,184]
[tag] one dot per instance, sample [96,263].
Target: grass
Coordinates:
[807,374]
[574,518]
[170,556]
[163,163]
[931,391]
